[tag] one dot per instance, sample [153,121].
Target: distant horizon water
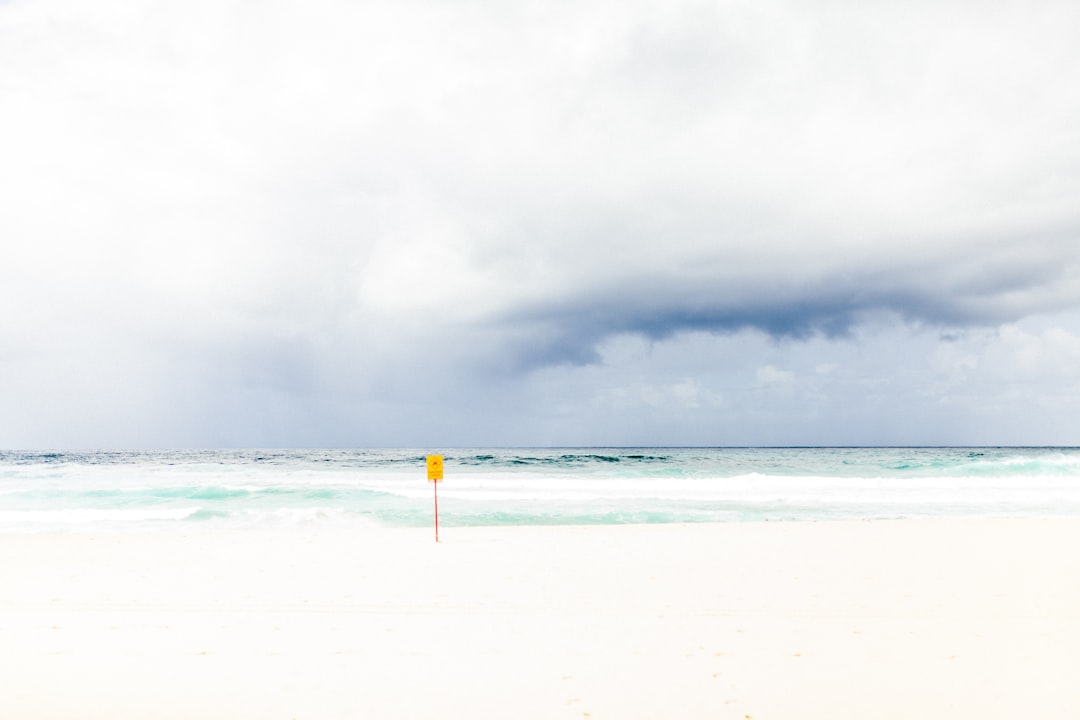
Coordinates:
[212,489]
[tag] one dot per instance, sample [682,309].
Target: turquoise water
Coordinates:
[211,489]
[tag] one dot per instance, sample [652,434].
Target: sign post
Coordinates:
[434,476]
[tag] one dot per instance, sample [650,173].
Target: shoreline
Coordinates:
[815,619]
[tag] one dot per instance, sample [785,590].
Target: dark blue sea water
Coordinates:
[222,489]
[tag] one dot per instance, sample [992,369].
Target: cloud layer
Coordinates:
[393,223]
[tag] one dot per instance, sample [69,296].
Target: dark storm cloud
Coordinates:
[975,291]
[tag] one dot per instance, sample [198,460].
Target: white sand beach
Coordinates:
[888,619]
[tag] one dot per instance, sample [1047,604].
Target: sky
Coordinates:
[419,223]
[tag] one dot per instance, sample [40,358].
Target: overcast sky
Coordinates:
[660,222]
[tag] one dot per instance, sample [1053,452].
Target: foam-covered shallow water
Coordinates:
[193,489]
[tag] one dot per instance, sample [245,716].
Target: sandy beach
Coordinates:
[889,619]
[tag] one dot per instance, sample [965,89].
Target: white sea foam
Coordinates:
[73,518]
[299,517]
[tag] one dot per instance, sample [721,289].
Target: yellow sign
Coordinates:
[434,468]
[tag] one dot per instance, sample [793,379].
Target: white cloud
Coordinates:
[767,375]
[1041,353]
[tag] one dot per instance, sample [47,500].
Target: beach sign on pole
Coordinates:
[434,468]
[435,476]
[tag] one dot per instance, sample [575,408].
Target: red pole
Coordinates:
[436,484]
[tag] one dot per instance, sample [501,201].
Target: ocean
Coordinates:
[205,490]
